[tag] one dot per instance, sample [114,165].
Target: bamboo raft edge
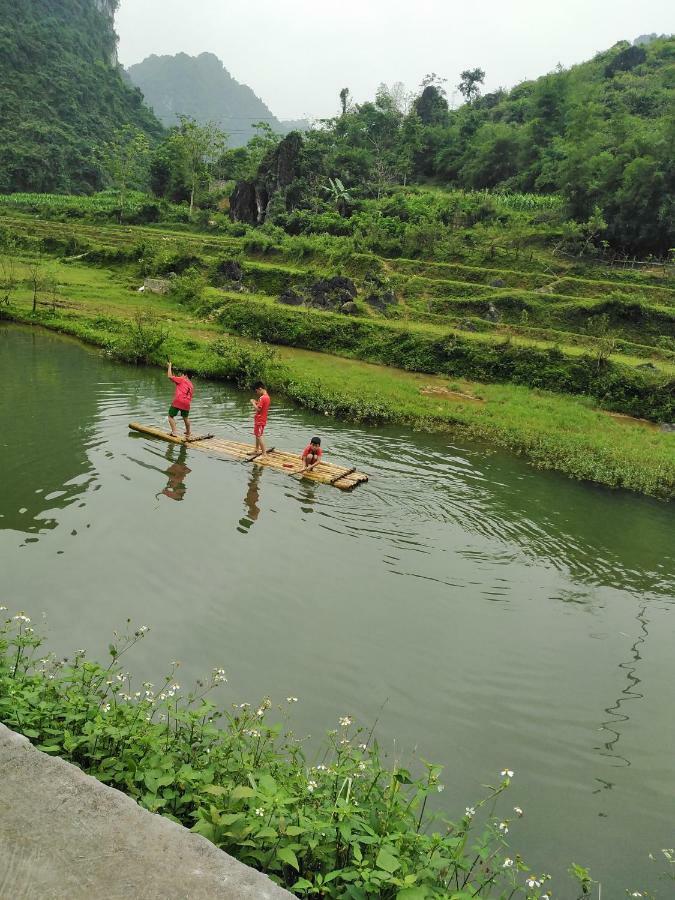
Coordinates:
[324,473]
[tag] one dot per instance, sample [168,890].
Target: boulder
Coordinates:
[350,308]
[244,203]
[497,283]
[468,325]
[668,427]
[156,285]
[338,283]
[230,269]
[650,367]
[381,300]
[332,293]
[291,298]
[492,313]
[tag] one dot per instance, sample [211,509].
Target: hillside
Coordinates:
[202,88]
[61,93]
[599,135]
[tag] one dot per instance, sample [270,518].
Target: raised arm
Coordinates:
[169,371]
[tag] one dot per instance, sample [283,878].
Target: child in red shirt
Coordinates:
[261,407]
[182,399]
[311,456]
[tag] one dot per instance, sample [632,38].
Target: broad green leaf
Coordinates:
[286,855]
[216,789]
[385,860]
[242,791]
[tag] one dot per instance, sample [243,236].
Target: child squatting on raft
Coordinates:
[182,399]
[311,455]
[261,407]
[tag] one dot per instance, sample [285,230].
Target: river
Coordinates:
[485,614]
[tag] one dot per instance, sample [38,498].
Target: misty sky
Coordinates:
[297,54]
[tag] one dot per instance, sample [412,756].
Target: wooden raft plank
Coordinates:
[323,473]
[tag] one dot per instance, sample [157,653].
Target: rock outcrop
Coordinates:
[250,201]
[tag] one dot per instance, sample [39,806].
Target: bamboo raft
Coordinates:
[322,473]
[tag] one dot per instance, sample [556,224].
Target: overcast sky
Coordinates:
[297,54]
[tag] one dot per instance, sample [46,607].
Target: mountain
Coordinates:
[202,88]
[61,93]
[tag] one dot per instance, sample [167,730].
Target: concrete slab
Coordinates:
[66,836]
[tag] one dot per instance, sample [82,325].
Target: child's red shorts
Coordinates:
[258,428]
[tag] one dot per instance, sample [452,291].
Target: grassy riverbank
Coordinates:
[491,382]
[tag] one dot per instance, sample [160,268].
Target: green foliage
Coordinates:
[626,390]
[246,364]
[60,94]
[134,206]
[141,340]
[347,826]
[188,288]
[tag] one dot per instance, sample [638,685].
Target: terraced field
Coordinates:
[599,338]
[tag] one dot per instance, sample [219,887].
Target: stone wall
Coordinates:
[66,836]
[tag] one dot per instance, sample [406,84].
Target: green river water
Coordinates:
[490,615]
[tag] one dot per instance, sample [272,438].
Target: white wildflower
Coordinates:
[105,708]
[346,721]
[517,810]
[251,732]
[312,786]
[636,894]
[320,768]
[507,864]
[260,811]
[470,812]
[533,883]
[504,827]
[21,618]
[219,676]
[3,609]
[507,773]
[363,747]
[291,699]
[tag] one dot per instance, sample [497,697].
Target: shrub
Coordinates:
[143,338]
[246,365]
[188,288]
[619,387]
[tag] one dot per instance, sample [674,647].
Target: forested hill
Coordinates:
[602,133]
[202,88]
[61,93]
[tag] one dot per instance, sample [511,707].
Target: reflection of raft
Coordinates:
[324,473]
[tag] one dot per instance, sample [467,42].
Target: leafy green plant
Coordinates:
[343,826]
[143,338]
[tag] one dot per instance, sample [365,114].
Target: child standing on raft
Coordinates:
[261,407]
[182,399]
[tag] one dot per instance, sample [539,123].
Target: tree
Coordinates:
[344,100]
[431,105]
[125,161]
[200,146]
[469,84]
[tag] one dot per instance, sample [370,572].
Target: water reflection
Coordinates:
[251,501]
[630,692]
[177,473]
